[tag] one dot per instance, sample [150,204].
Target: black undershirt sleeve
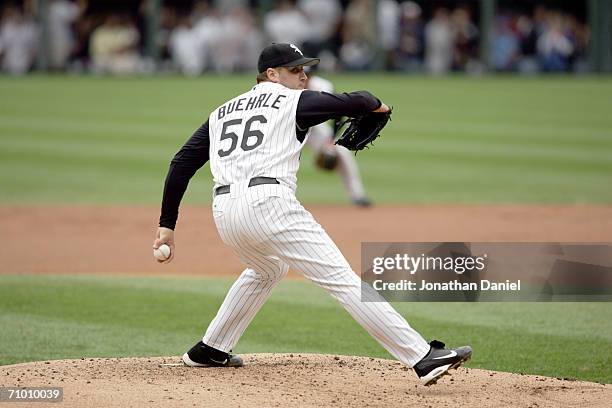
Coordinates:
[318,107]
[192,156]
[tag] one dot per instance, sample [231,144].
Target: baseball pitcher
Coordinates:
[253,142]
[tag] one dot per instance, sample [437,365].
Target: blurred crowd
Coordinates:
[353,35]
[547,40]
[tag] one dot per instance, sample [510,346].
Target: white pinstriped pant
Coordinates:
[270,231]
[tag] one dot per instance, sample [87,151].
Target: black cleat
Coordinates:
[362,202]
[439,360]
[202,355]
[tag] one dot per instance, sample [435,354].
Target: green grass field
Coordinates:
[72,317]
[489,140]
[494,139]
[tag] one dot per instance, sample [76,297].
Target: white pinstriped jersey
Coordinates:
[254,135]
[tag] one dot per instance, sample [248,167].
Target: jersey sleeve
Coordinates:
[192,156]
[317,107]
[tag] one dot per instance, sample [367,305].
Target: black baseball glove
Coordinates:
[363,130]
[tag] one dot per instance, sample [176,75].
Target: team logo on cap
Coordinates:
[296,49]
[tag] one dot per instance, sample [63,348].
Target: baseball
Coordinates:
[162,253]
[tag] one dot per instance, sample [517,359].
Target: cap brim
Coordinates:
[306,62]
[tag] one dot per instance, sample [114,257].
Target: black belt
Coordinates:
[255,181]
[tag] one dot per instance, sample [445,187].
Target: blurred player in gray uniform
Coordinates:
[253,142]
[329,156]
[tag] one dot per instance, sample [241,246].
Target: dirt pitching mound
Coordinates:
[280,380]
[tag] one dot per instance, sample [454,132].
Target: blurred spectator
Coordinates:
[504,43]
[238,43]
[540,14]
[467,37]
[554,47]
[185,48]
[388,22]
[62,15]
[18,41]
[528,37]
[229,42]
[439,42]
[114,47]
[359,36]
[324,18]
[207,29]
[409,53]
[287,24]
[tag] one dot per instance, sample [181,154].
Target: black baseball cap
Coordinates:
[283,55]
